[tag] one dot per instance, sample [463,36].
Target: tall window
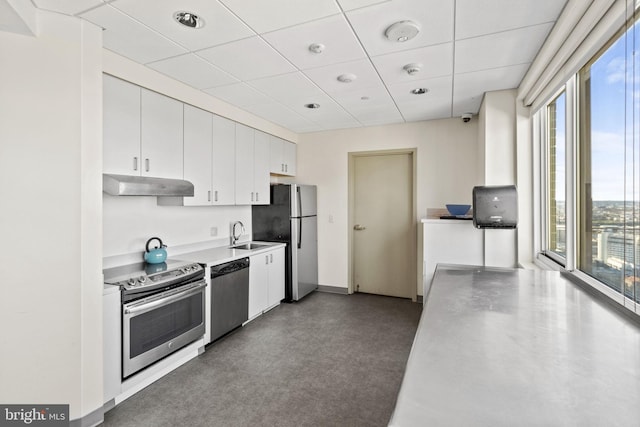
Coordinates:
[609,236]
[556,157]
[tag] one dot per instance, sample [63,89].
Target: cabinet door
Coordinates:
[258,276]
[121,127]
[261,168]
[276,277]
[275,155]
[289,154]
[198,155]
[224,165]
[244,165]
[162,147]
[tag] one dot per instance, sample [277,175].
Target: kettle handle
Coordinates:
[151,239]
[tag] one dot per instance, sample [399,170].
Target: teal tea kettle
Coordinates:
[156,255]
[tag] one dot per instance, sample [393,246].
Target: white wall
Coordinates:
[498,143]
[50,157]
[446,173]
[130,221]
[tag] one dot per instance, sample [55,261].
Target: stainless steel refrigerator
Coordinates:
[292,218]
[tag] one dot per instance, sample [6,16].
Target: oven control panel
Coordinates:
[158,275]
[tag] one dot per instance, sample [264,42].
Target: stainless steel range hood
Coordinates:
[126,185]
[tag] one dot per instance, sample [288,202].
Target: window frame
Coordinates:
[544,257]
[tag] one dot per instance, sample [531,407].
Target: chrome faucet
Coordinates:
[233,237]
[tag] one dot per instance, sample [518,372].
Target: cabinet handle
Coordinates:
[282,167]
[266,259]
[209,196]
[252,196]
[286,168]
[146,162]
[271,258]
[257,196]
[215,195]
[135,163]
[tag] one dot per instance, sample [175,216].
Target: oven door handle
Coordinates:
[162,300]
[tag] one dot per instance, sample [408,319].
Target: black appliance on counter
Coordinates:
[495,206]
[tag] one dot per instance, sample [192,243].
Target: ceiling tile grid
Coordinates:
[256,54]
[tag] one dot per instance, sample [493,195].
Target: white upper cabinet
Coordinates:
[244,165]
[261,180]
[282,156]
[223,162]
[142,131]
[289,157]
[121,127]
[161,136]
[252,166]
[198,154]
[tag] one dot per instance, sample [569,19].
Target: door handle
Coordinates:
[359,227]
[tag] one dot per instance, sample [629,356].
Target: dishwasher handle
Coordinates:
[229,267]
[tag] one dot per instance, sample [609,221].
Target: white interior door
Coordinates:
[383,230]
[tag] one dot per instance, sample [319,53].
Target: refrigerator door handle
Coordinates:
[299,201]
[300,233]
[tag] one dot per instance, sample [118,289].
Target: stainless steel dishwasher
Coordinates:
[229,296]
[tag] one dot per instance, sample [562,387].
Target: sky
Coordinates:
[613,77]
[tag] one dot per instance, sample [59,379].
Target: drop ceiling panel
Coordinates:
[501,49]
[193,71]
[130,38]
[334,33]
[292,88]
[434,17]
[248,59]
[327,77]
[240,94]
[475,18]
[281,115]
[469,88]
[365,100]
[417,107]
[68,7]
[357,4]
[221,26]
[435,61]
[265,16]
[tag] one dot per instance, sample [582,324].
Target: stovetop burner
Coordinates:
[134,277]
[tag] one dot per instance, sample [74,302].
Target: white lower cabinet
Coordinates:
[266,281]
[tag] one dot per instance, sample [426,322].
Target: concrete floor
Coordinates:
[328,360]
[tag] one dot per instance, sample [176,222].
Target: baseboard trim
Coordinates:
[333,289]
[90,420]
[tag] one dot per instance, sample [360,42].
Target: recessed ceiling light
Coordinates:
[402,31]
[412,69]
[419,91]
[188,19]
[316,47]
[313,106]
[347,78]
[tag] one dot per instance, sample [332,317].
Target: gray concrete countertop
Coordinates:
[219,255]
[503,347]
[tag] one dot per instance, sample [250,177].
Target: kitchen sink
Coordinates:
[249,246]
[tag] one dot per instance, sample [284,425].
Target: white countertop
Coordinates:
[446,221]
[219,255]
[506,347]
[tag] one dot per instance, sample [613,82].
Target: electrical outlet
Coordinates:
[214,231]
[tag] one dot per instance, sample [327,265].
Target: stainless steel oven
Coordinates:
[163,310]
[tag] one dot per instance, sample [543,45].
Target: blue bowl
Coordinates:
[458,210]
